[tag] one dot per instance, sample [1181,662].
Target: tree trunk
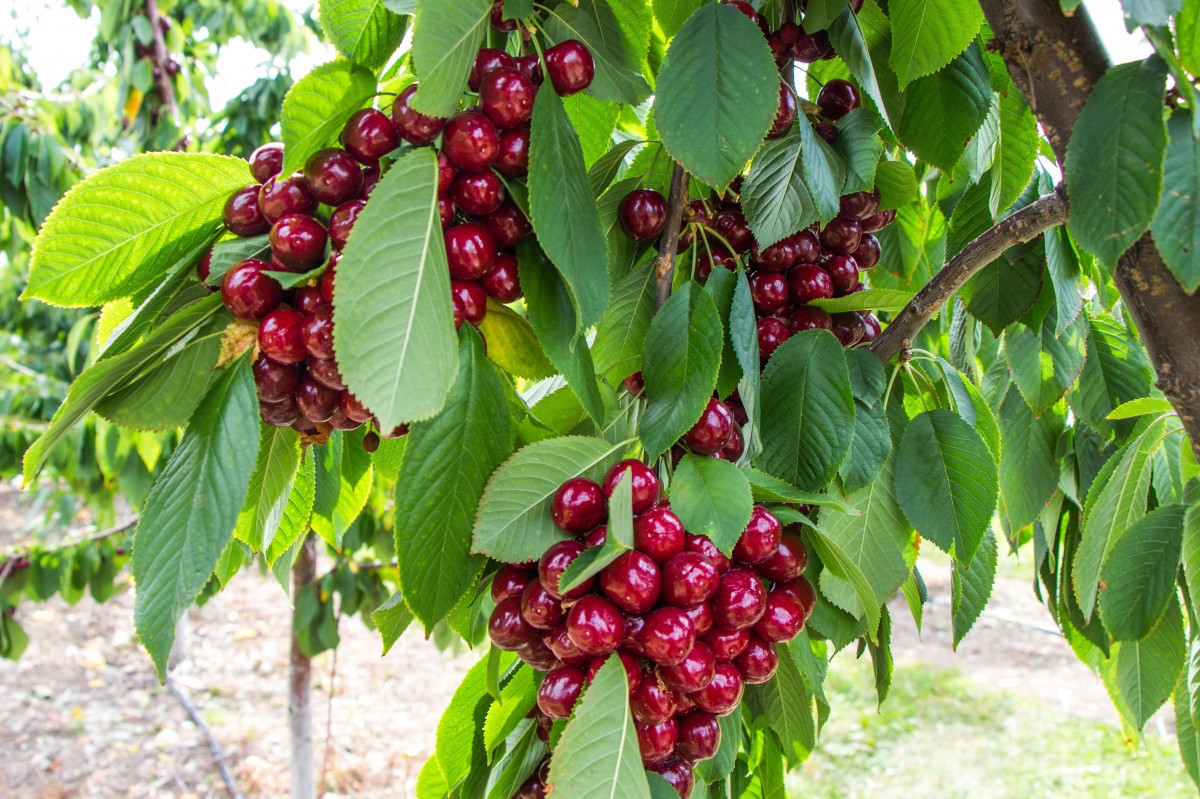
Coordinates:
[300,685]
[1056,60]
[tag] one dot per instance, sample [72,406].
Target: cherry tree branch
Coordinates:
[1046,212]
[668,244]
[165,87]
[214,747]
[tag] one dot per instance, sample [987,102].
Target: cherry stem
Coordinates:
[160,60]
[668,245]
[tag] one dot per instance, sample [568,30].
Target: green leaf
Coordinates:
[721,286]
[623,251]
[316,108]
[227,253]
[515,700]
[1043,365]
[1015,153]
[461,725]
[119,232]
[398,357]
[1186,724]
[889,300]
[392,618]
[513,524]
[1030,466]
[743,337]
[774,195]
[944,110]
[618,539]
[621,333]
[971,586]
[897,184]
[860,147]
[685,337]
[445,40]
[818,14]
[1187,30]
[192,509]
[870,448]
[1146,670]
[521,759]
[671,14]
[808,410]
[867,378]
[784,706]
[364,31]
[447,463]
[1149,12]
[929,34]
[297,515]
[717,93]
[1062,264]
[1176,225]
[712,497]
[768,488]
[1005,289]
[971,216]
[512,344]
[1114,169]
[946,481]
[594,121]
[604,171]
[618,57]
[824,171]
[343,483]
[563,209]
[1116,371]
[846,33]
[597,756]
[1146,406]
[1139,574]
[270,487]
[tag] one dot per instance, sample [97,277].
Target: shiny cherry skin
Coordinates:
[298,241]
[280,414]
[317,401]
[538,656]
[554,561]
[317,333]
[506,97]
[204,267]
[353,409]
[808,318]
[726,644]
[692,673]
[732,226]
[771,335]
[802,591]
[445,212]
[878,221]
[570,67]
[768,291]
[487,61]
[761,537]
[507,224]
[332,176]
[473,299]
[242,216]
[369,135]
[788,561]
[503,281]
[711,431]
[758,661]
[807,246]
[512,157]
[699,735]
[477,193]
[247,292]
[510,581]
[643,214]
[786,114]
[659,533]
[701,616]
[740,600]
[470,251]
[371,175]
[859,205]
[470,141]
[868,252]
[782,621]
[560,690]
[274,381]
[307,299]
[279,198]
[531,67]
[595,625]
[446,173]
[848,327]
[723,692]
[841,236]
[540,610]
[578,506]
[656,741]
[667,636]
[596,537]
[678,773]
[267,161]
[871,328]
[703,545]
[837,98]
[507,628]
[653,701]
[632,582]
[779,257]
[688,579]
[808,282]
[413,126]
[564,648]
[342,220]
[325,372]
[735,446]
[843,271]
[633,669]
[643,482]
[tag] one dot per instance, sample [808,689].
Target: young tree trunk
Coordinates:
[300,685]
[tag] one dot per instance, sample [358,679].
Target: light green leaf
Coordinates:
[297,514]
[270,487]
[928,34]
[621,333]
[1116,372]
[1015,153]
[712,497]
[516,699]
[343,483]
[618,57]
[594,121]
[364,31]
[1146,406]
[512,344]
[970,587]
[1146,671]
[392,619]
[784,706]
[888,300]
[446,37]
[316,108]
[897,184]
[860,148]
[1187,28]
[850,42]
[1139,574]
[1044,365]
[1062,263]
[671,14]
[774,196]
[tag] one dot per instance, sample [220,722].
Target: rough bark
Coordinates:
[668,244]
[161,57]
[300,685]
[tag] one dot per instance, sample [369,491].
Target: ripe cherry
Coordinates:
[508,225]
[280,414]
[656,741]
[848,327]
[242,215]
[507,629]
[531,67]
[247,292]
[570,67]
[808,282]
[701,616]
[644,483]
[688,579]
[370,180]
[761,537]
[659,533]
[693,672]
[487,61]
[699,735]
[740,600]
[768,291]
[703,545]
[735,446]
[538,608]
[369,135]
[564,648]
[779,257]
[786,115]
[803,592]
[470,251]
[498,21]
[643,214]
[325,372]
[841,236]
[758,661]
[279,198]
[317,401]
[554,561]
[503,282]
[667,636]
[267,161]
[653,701]
[723,692]
[878,221]
[353,408]
[782,621]
[510,581]
[473,299]
[512,159]
[560,690]
[726,644]
[632,582]
[595,625]
[445,211]
[506,97]
[807,246]
[871,328]
[771,335]
[317,332]
[578,506]
[538,656]
[414,127]
[279,336]
[678,773]
[868,252]
[711,431]
[837,98]
[307,299]
[342,220]
[843,271]
[478,193]
[274,381]
[298,242]
[807,48]
[808,318]
[332,176]
[470,141]
[732,226]
[711,256]
[859,205]
[446,173]
[788,561]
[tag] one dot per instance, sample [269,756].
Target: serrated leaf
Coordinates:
[929,34]
[1139,574]
[621,333]
[270,487]
[618,539]
[343,483]
[119,232]
[316,108]
[859,144]
[850,42]
[296,515]
[743,337]
[671,14]
[446,38]
[971,216]
[522,756]
[516,698]
[1001,292]
[897,184]
[392,618]
[1146,671]
[712,497]
[1044,366]
[394,326]
[944,110]
[824,171]
[227,253]
[1062,264]
[1114,169]
[618,57]
[717,93]
[1115,372]
[461,725]
[867,378]
[721,286]
[774,196]
[889,300]
[971,587]
[1176,225]
[1030,466]
[784,706]
[594,121]
[364,31]
[870,447]
[512,344]
[1015,153]
[604,171]
[192,509]
[1187,35]
[1186,724]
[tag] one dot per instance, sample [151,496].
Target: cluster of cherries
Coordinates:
[691,626]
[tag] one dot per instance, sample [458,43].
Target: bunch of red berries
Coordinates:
[692,627]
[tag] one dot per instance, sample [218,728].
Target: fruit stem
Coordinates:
[668,245]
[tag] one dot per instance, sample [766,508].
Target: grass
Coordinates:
[942,736]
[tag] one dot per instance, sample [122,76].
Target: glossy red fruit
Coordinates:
[274,381]
[711,431]
[595,625]
[806,246]
[726,644]
[802,591]
[643,482]
[679,775]
[837,98]
[369,135]
[280,414]
[510,581]
[267,161]
[507,224]
[477,193]
[539,609]
[709,257]
[808,318]
[859,205]
[758,661]
[564,648]
[653,701]
[559,691]
[578,506]
[868,252]
[446,173]
[688,579]
[506,627]
[667,636]
[745,8]
[554,560]
[783,619]
[632,582]
[298,242]
[656,741]
[512,158]
[788,561]
[786,114]
[317,333]
[841,236]
[848,327]
[692,673]
[732,226]
[204,267]
[597,537]
[807,48]
[570,67]
[353,409]
[370,180]
[414,127]
[643,214]
[326,373]
[470,141]
[740,600]
[332,176]
[279,198]
[843,272]
[307,299]
[779,257]
[445,212]
[871,328]
[242,215]
[487,61]
[760,539]
[703,545]
[470,251]
[342,220]
[503,282]
[771,335]
[723,692]
[498,21]
[506,97]
[659,533]
[699,735]
[317,401]
[701,616]
[538,656]
[808,282]
[878,221]
[768,291]
[247,292]
[473,299]
[735,446]
[531,67]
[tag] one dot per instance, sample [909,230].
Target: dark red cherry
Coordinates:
[878,221]
[552,564]
[204,267]
[806,246]
[317,333]
[632,582]
[808,318]
[478,193]
[370,180]
[711,431]
[307,299]
[779,257]
[656,741]
[578,506]
[473,299]
[531,67]
[538,656]
[340,421]
[771,335]
[510,581]
[693,672]
[539,609]
[570,67]
[786,115]
[317,402]
[267,161]
[688,579]
[841,236]
[726,644]
[508,225]
[279,198]
[643,482]
[633,669]
[848,327]
[782,621]
[274,381]
[868,252]
[678,773]
[701,616]
[535,786]
[445,211]
[247,292]
[342,220]
[643,214]
[859,205]
[699,735]
[788,561]
[280,414]
[633,634]
[731,225]
[470,141]
[659,533]
[802,591]
[871,328]
[735,446]
[827,131]
[837,98]
[560,690]
[635,384]
[507,629]
[761,537]
[325,372]
[446,173]
[487,61]
[723,692]
[768,291]
[597,537]
[242,215]
[353,409]
[564,648]
[710,256]
[740,600]
[414,127]
[667,636]
[470,251]
[506,97]
[498,21]
[758,661]
[332,176]
[807,48]
[653,701]
[595,625]
[704,546]
[298,242]
[369,135]
[808,282]
[503,282]
[843,271]
[513,156]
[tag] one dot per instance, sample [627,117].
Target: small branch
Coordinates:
[217,752]
[668,245]
[124,527]
[1025,225]
[165,87]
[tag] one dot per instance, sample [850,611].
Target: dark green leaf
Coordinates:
[621,333]
[1116,371]
[860,147]
[712,497]
[1016,151]
[1005,289]
[944,110]
[364,31]
[1139,574]
[1176,225]
[870,448]
[1044,366]
[847,34]
[784,706]
[928,34]
[446,38]
[774,196]
[618,57]
[1030,466]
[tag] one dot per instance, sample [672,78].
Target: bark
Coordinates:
[300,685]
[668,244]
[161,57]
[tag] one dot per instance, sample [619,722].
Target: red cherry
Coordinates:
[506,97]
[843,272]
[848,327]
[307,299]
[369,135]
[597,537]
[723,692]
[808,318]
[711,431]
[806,245]
[340,421]
[871,328]
[802,591]
[267,161]
[699,735]
[740,600]
[470,141]
[758,661]
[370,180]
[470,251]
[280,414]
[808,282]
[487,61]
[274,381]
[503,281]
[578,506]
[788,561]
[656,741]
[446,173]
[837,98]
[539,609]
[595,625]
[678,773]
[841,236]
[693,672]
[317,332]
[279,198]
[342,220]
[353,409]
[564,648]
[726,644]
[332,176]
[570,67]
[507,629]
[317,401]
[644,483]
[710,257]
[653,701]
[538,656]
[414,127]
[508,225]
[634,384]
[643,214]
[559,691]
[703,545]
[498,21]
[325,372]
[761,537]
[633,634]
[878,221]
[768,291]
[860,205]
[446,212]
[242,215]
[731,225]
[733,449]
[633,669]
[783,620]
[688,579]
[473,299]
[771,335]
[247,292]
[659,533]
[478,193]
[204,267]
[828,131]
[510,581]
[298,242]
[868,252]
[552,564]
[779,257]
[701,616]
[632,582]
[667,636]
[531,67]
[786,115]
[513,156]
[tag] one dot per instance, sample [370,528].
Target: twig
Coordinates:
[668,245]
[217,752]
[160,60]
[1025,225]
[124,527]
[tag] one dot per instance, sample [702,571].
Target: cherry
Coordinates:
[768,291]
[868,252]
[633,634]
[711,431]
[267,161]
[703,545]
[786,115]
[414,127]
[538,656]
[779,257]
[656,741]
[779,49]
[643,214]
[860,205]
[279,336]
[332,176]
[498,21]
[298,242]
[552,564]
[564,648]
[342,220]
[837,98]
[802,591]
[808,318]
[595,625]
[712,256]
[788,561]
[653,701]
[723,692]
[731,225]
[247,292]
[503,282]
[570,67]
[370,180]
[459,313]
[204,267]
[699,735]
[559,691]
[808,282]
[242,215]
[740,600]
[578,506]
[632,582]
[841,236]
[635,384]
[726,644]
[478,193]
[828,131]
[694,672]
[369,135]
[761,537]
[317,401]
[508,225]
[470,251]
[274,381]
[279,198]
[487,61]
[644,483]
[531,67]
[446,173]
[280,414]
[446,212]
[848,327]
[843,271]
[506,97]
[597,537]
[470,141]
[783,620]
[735,446]
[307,299]
[473,299]
[734,403]
[506,627]
[340,421]
[353,409]
[538,608]
[317,332]
[688,579]
[325,372]
[871,328]
[758,661]
[701,616]
[807,48]
[659,533]
[510,581]
[532,788]
[878,221]
[771,335]
[745,8]
[667,636]
[679,775]
[512,157]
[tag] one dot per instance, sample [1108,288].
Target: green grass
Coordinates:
[942,736]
